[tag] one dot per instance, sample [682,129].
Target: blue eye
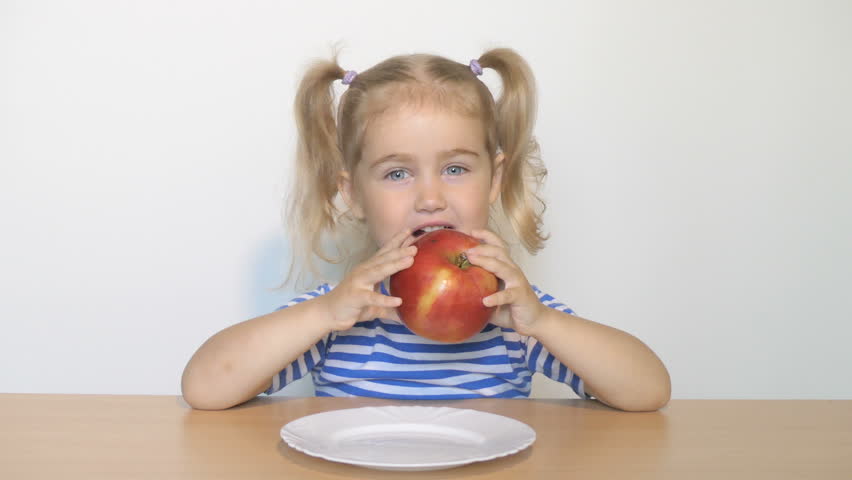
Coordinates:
[397,175]
[455,170]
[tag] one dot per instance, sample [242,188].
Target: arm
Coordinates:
[238,363]
[616,367]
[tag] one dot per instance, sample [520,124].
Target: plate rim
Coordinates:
[410,466]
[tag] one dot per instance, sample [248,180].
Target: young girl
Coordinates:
[419,143]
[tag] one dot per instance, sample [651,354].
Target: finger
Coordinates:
[379,272]
[508,272]
[383,313]
[494,251]
[389,256]
[396,253]
[409,240]
[488,237]
[377,300]
[396,241]
[501,317]
[392,255]
[503,297]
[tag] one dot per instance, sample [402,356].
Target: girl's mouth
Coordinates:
[425,230]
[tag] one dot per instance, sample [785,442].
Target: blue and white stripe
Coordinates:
[382,358]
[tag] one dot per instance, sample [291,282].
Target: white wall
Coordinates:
[700,176]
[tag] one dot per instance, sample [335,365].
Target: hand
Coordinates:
[357,298]
[517,305]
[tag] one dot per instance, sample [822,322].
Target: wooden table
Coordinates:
[154,437]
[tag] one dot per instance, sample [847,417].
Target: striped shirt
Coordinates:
[383,358]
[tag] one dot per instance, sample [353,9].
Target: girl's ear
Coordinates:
[496,178]
[344,186]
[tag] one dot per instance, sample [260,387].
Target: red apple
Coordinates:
[442,292]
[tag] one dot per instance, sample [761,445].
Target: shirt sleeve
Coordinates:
[312,358]
[540,360]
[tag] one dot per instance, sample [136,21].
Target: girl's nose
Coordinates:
[430,196]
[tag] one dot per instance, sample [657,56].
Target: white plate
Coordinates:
[407,438]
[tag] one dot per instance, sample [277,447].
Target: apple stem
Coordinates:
[463,261]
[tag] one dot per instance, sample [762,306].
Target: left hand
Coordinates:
[517,305]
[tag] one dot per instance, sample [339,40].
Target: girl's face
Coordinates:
[422,167]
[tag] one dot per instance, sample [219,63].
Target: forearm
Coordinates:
[616,367]
[239,362]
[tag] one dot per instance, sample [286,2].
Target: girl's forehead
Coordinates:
[399,115]
[419,127]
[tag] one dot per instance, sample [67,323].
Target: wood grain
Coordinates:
[125,437]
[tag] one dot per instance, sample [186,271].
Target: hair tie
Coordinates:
[475,67]
[349,76]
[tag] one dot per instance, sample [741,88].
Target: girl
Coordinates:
[419,143]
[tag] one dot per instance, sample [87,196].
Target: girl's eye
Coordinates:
[397,175]
[455,170]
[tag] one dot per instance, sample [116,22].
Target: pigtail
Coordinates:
[311,210]
[523,170]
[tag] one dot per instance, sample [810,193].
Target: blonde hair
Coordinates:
[329,145]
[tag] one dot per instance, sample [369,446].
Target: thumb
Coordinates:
[501,317]
[385,313]
[390,314]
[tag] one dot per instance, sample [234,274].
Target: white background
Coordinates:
[700,158]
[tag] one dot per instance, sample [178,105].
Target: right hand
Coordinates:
[357,297]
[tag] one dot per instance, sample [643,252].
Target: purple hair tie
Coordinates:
[475,67]
[349,76]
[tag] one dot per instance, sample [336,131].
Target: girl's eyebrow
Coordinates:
[393,157]
[406,158]
[457,152]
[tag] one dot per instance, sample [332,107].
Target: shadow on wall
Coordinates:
[266,292]
[267,275]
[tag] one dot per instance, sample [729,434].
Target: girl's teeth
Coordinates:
[426,230]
